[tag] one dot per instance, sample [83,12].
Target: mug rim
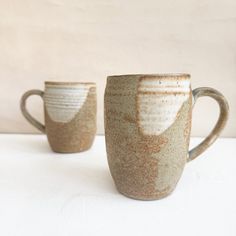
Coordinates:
[68,83]
[157,75]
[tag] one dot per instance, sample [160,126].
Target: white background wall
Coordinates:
[85,40]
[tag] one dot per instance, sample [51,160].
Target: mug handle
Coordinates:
[26,114]
[220,124]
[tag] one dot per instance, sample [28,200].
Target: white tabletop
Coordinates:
[44,193]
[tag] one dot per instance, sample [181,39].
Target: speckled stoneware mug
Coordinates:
[70,115]
[147,129]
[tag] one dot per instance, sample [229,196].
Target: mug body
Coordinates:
[147,130]
[70,115]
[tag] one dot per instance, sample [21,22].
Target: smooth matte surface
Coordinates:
[81,40]
[43,193]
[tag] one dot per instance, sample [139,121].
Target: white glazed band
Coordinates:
[64,101]
[159,100]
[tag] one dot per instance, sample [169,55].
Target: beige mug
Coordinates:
[147,130]
[70,115]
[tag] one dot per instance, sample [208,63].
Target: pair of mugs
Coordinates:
[147,127]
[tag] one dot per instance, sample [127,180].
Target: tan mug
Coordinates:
[70,115]
[147,130]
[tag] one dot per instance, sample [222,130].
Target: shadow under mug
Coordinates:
[147,130]
[70,115]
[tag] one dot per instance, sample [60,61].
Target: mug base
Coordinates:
[60,146]
[71,149]
[152,197]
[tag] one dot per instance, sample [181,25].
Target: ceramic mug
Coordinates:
[147,130]
[70,115]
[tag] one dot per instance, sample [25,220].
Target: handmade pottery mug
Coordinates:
[70,115]
[147,130]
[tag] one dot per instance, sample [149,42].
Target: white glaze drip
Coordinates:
[64,102]
[159,101]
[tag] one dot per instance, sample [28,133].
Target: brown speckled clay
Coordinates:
[70,115]
[147,129]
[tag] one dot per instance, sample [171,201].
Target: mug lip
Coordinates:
[157,75]
[73,83]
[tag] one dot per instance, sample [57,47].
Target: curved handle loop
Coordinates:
[26,114]
[223,117]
